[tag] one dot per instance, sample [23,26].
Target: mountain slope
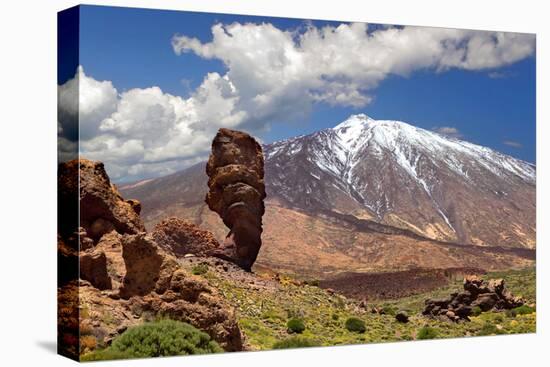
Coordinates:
[372,196]
[397,174]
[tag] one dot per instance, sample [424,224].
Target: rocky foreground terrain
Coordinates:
[180,271]
[128,276]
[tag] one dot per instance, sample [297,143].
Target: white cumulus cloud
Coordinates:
[271,75]
[143,131]
[280,72]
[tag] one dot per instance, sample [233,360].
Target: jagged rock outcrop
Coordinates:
[126,278]
[148,267]
[93,268]
[180,237]
[102,208]
[236,192]
[486,295]
[190,299]
[111,245]
[155,283]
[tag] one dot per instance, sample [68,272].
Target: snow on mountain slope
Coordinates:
[409,177]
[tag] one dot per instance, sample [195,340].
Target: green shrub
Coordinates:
[510,313]
[335,316]
[295,342]
[155,339]
[523,310]
[355,325]
[476,311]
[487,329]
[426,333]
[389,310]
[295,325]
[199,269]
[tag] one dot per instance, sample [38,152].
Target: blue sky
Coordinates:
[491,106]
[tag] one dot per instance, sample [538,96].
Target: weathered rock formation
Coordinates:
[190,299]
[102,208]
[126,278]
[236,182]
[477,293]
[93,268]
[180,237]
[148,267]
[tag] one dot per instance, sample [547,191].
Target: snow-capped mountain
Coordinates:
[397,174]
[372,195]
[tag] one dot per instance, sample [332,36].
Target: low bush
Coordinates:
[335,316]
[389,310]
[199,269]
[427,333]
[155,339]
[355,325]
[295,342]
[476,311]
[487,329]
[523,310]
[295,325]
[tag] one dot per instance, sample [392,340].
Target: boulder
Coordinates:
[487,295]
[472,284]
[485,301]
[182,238]
[463,311]
[402,316]
[148,267]
[497,286]
[235,172]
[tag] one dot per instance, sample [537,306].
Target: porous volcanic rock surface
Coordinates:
[181,237]
[487,295]
[235,170]
[189,298]
[126,278]
[93,268]
[102,208]
[148,267]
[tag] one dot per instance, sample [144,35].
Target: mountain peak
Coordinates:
[354,120]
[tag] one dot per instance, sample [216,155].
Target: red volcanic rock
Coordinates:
[181,237]
[237,192]
[148,267]
[102,208]
[190,299]
[155,283]
[126,278]
[93,268]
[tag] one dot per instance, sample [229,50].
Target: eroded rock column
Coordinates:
[237,192]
